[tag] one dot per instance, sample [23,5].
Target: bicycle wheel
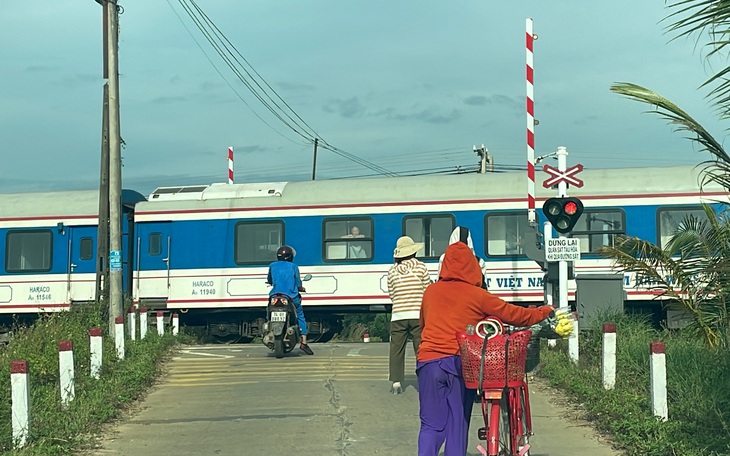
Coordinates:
[498,429]
[524,425]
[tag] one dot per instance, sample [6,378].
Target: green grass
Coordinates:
[56,431]
[698,388]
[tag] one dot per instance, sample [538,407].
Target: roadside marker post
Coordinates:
[132,322]
[119,336]
[20,398]
[142,322]
[66,371]
[573,344]
[95,349]
[160,323]
[658,373]
[175,324]
[608,365]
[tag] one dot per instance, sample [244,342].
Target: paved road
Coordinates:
[240,400]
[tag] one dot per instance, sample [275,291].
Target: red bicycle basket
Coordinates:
[497,374]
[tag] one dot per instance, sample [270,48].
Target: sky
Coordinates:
[410,85]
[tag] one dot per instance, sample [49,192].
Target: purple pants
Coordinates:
[445,407]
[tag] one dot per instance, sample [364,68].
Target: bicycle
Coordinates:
[493,363]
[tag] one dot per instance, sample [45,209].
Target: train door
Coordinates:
[153,256]
[81,263]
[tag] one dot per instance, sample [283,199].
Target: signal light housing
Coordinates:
[563,213]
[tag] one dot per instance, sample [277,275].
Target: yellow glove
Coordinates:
[564,328]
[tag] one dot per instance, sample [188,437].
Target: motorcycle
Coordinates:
[281,331]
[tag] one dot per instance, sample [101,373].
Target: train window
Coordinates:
[257,242]
[348,239]
[670,220]
[504,233]
[155,244]
[86,248]
[28,251]
[598,228]
[432,231]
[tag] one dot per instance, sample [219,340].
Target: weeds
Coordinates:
[697,383]
[54,430]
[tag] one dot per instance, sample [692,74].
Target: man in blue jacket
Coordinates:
[284,278]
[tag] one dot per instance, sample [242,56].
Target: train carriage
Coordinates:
[48,243]
[204,250]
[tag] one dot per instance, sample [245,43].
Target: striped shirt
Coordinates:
[407,281]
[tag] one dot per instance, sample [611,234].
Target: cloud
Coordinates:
[169,100]
[350,108]
[293,87]
[494,100]
[430,115]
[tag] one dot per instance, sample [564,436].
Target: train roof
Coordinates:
[58,203]
[614,181]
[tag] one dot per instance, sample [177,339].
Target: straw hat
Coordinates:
[406,247]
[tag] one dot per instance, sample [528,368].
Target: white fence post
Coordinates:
[175,324]
[608,365]
[658,372]
[119,336]
[160,323]
[20,397]
[142,322]
[66,371]
[573,347]
[95,349]
[132,322]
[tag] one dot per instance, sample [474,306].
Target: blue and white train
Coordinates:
[203,251]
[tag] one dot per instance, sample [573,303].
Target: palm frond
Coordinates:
[676,116]
[710,17]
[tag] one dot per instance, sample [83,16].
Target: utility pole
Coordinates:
[102,243]
[314,164]
[483,158]
[115,164]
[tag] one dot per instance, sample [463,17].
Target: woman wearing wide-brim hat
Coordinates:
[407,280]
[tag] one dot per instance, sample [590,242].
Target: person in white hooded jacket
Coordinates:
[462,234]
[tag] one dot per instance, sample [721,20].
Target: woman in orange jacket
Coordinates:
[449,305]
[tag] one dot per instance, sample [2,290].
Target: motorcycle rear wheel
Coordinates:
[278,348]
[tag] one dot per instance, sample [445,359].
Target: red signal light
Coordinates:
[571,208]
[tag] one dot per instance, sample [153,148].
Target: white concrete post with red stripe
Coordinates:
[658,373]
[160,323]
[530,103]
[175,324]
[132,322]
[20,402]
[230,165]
[66,371]
[119,336]
[95,349]
[608,364]
[142,322]
[573,345]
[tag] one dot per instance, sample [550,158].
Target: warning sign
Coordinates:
[562,249]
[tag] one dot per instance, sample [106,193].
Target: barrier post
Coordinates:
[119,336]
[95,350]
[160,323]
[658,372]
[175,324]
[20,397]
[66,371]
[608,364]
[132,322]
[573,347]
[142,322]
